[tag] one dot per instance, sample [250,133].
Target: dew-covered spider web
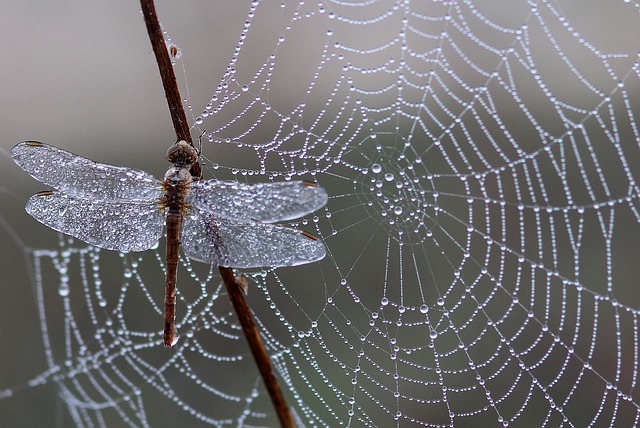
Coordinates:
[482,161]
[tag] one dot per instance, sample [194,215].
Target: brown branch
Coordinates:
[239,303]
[234,289]
[171,91]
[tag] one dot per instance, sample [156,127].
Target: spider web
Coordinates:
[480,159]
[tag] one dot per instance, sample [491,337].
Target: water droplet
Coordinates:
[63,290]
[376,168]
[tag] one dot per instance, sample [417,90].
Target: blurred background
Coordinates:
[81,76]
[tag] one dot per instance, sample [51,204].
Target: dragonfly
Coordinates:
[223,223]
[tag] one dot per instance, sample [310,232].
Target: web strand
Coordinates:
[481,231]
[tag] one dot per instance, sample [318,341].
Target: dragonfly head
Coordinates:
[182,155]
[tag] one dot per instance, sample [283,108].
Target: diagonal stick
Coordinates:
[180,124]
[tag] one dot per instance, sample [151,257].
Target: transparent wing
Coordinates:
[246,245]
[83,178]
[263,202]
[121,226]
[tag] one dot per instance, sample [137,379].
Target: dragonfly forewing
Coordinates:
[83,178]
[226,243]
[262,202]
[120,226]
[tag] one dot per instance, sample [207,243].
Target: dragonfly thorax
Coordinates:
[175,184]
[176,175]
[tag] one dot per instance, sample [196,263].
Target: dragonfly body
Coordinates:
[176,183]
[223,223]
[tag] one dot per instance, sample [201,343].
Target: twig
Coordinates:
[236,295]
[234,289]
[171,91]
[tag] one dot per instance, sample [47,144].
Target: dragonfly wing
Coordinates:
[262,202]
[83,178]
[246,245]
[121,226]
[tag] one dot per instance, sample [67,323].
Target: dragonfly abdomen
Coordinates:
[176,183]
[174,224]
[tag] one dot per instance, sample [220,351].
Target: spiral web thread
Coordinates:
[481,161]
